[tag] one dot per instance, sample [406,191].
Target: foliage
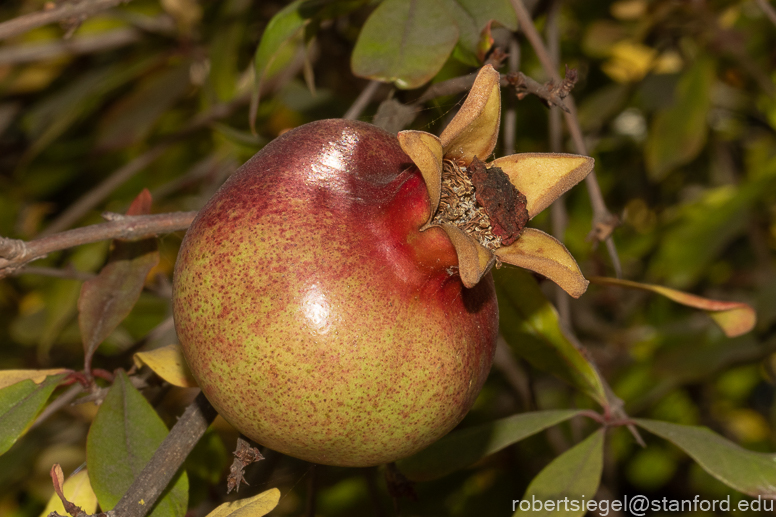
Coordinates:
[163,100]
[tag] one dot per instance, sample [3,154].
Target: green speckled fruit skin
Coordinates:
[314,315]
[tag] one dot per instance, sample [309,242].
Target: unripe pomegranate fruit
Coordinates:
[333,298]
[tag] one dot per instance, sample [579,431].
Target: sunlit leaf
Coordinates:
[78,491]
[572,477]
[530,325]
[256,506]
[734,318]
[752,473]
[9,377]
[405,42]
[20,403]
[464,447]
[678,133]
[122,439]
[169,364]
[109,297]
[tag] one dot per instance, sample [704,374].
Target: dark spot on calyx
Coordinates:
[498,197]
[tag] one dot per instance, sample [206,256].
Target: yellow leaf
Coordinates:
[78,491]
[734,318]
[8,377]
[169,364]
[474,130]
[544,177]
[629,61]
[256,506]
[544,254]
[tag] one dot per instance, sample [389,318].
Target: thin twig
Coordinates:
[768,9]
[167,460]
[510,115]
[16,253]
[603,220]
[362,101]
[63,400]
[32,52]
[558,213]
[68,272]
[65,11]
[312,492]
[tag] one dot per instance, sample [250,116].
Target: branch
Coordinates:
[32,52]
[64,12]
[604,221]
[167,460]
[550,92]
[768,9]
[362,101]
[15,253]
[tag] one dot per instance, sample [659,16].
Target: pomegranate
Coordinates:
[333,298]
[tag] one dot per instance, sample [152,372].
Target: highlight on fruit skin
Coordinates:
[540,178]
[333,299]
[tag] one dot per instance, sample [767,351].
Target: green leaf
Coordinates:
[464,447]
[405,41]
[472,17]
[529,323]
[285,27]
[225,48]
[678,133]
[572,477]
[122,439]
[110,296]
[20,404]
[752,473]
[706,226]
[256,506]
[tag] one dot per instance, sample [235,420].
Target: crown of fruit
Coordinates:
[484,207]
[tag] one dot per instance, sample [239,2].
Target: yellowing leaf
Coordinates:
[78,491]
[8,377]
[544,177]
[544,254]
[474,130]
[256,506]
[629,61]
[734,318]
[169,364]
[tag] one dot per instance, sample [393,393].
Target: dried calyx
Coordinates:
[483,209]
[482,202]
